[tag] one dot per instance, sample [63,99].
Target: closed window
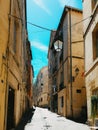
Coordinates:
[15,37]
[78,91]
[95,42]
[41,99]
[94,103]
[62,101]
[41,75]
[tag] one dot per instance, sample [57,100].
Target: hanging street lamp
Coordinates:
[58,45]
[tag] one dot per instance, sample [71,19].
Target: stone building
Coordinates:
[29,75]
[90,14]
[13,62]
[41,88]
[68,66]
[51,66]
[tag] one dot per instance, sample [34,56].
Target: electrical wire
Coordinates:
[31,31]
[47,29]
[38,26]
[81,21]
[38,31]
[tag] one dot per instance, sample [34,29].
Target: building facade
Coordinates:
[30,74]
[13,56]
[41,88]
[90,13]
[68,67]
[51,77]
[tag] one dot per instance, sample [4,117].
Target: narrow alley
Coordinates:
[44,119]
[49,59]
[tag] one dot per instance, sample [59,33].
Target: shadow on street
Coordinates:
[27,116]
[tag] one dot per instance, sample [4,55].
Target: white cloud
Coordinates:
[41,4]
[62,2]
[39,46]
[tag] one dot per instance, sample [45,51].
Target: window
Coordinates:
[61,86]
[73,78]
[61,76]
[95,42]
[95,92]
[41,75]
[41,84]
[62,101]
[94,103]
[16,35]
[94,3]
[41,99]
[78,91]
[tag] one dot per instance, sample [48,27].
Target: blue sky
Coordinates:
[45,13]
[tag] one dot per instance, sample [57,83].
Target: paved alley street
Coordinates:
[43,119]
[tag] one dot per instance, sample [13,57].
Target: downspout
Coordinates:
[71,96]
[26,14]
[7,55]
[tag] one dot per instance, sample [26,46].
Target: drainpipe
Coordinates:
[7,56]
[71,97]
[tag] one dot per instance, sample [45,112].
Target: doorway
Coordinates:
[10,111]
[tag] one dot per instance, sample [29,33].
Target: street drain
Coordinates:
[59,116]
[44,117]
[61,120]
[47,126]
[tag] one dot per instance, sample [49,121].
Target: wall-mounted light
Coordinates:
[58,45]
[77,71]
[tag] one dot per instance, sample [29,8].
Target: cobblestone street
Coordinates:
[43,119]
